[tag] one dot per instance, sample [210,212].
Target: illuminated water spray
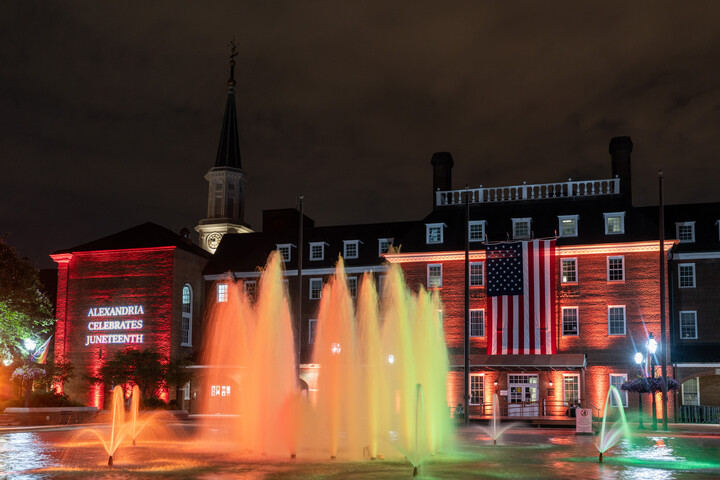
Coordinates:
[382,370]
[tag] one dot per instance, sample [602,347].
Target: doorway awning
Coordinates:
[559,361]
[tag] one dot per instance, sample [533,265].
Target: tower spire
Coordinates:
[233,54]
[228,154]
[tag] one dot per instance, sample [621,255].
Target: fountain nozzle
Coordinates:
[494,441]
[292,455]
[415,472]
[110,461]
[600,458]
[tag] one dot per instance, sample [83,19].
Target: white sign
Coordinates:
[503,393]
[583,420]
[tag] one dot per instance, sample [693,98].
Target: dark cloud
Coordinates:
[110,112]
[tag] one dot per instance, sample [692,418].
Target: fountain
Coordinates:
[619,428]
[380,381]
[494,430]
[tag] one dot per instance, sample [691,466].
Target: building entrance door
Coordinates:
[522,395]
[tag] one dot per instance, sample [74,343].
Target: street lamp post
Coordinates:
[651,346]
[30,346]
[639,361]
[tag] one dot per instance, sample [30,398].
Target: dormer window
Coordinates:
[351,248]
[384,245]
[284,249]
[685,231]
[434,232]
[521,227]
[317,250]
[476,230]
[614,223]
[568,225]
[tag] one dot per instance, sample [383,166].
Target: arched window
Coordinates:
[186,333]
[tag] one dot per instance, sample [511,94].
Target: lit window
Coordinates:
[614,223]
[352,286]
[616,320]
[477,388]
[284,250]
[186,391]
[568,225]
[350,248]
[434,275]
[311,330]
[685,231]
[569,270]
[615,269]
[691,391]
[571,389]
[316,285]
[477,323]
[616,380]
[250,288]
[477,230]
[686,273]
[434,232]
[569,320]
[476,274]
[521,228]
[222,292]
[317,250]
[688,325]
[186,330]
[384,245]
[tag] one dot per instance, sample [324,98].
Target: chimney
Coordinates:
[620,150]
[442,163]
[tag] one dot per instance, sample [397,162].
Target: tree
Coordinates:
[25,310]
[145,368]
[178,373]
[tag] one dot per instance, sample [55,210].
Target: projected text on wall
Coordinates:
[122,324]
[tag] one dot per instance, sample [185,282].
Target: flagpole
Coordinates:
[663,340]
[467,306]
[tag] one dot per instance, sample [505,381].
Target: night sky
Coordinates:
[110,113]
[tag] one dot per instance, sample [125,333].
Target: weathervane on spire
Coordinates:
[233,54]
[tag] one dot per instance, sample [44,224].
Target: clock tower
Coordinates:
[227,181]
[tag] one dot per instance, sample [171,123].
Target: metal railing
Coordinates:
[539,191]
[698,414]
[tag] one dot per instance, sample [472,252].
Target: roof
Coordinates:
[245,252]
[147,235]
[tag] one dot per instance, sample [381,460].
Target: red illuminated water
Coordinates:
[378,388]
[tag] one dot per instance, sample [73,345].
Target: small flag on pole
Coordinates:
[40,355]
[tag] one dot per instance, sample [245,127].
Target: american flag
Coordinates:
[521,297]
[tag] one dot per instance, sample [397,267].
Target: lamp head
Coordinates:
[30,344]
[652,344]
[638,358]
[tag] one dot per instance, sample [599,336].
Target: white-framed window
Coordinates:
[222,292]
[315,290]
[476,230]
[569,270]
[521,227]
[312,323]
[477,388]
[351,248]
[384,245]
[688,325]
[614,223]
[186,330]
[685,231]
[186,391]
[616,380]
[571,389]
[616,269]
[691,391]
[284,249]
[477,274]
[352,286]
[434,275]
[616,320]
[686,275]
[434,232]
[477,322]
[570,324]
[250,288]
[317,250]
[568,225]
